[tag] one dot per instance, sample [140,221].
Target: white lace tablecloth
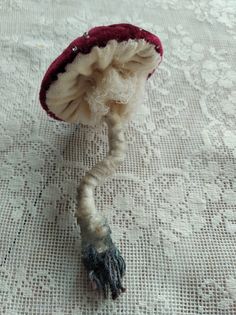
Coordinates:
[172,204]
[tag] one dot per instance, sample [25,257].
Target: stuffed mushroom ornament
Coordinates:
[100,77]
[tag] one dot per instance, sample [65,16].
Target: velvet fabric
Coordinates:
[97,36]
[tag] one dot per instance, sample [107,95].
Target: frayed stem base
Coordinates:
[105,269]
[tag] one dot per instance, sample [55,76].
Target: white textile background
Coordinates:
[172,204]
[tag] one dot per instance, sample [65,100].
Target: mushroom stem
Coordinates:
[95,231]
[89,219]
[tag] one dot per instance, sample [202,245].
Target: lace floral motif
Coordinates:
[221,11]
[171,205]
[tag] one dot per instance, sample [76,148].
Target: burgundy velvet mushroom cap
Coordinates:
[107,66]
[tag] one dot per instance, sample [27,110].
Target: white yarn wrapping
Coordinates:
[90,220]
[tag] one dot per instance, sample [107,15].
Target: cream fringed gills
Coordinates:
[116,72]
